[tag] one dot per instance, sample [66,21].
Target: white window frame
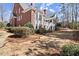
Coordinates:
[18,18]
[19,10]
[21,17]
[16,11]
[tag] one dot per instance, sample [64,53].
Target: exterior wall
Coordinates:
[26,17]
[17,10]
[32,16]
[39,20]
[21,18]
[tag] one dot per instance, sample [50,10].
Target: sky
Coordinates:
[7,10]
[50,7]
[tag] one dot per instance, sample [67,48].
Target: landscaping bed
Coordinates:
[20,31]
[68,34]
[36,45]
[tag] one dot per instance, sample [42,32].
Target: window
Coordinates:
[50,20]
[14,14]
[18,18]
[51,27]
[46,20]
[16,11]
[21,17]
[36,16]
[40,17]
[19,10]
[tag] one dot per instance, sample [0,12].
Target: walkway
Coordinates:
[3,36]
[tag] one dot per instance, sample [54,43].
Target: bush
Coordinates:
[2,25]
[21,31]
[37,31]
[58,26]
[29,25]
[10,29]
[8,25]
[71,50]
[73,25]
[41,31]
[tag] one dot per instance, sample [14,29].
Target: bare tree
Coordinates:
[70,13]
[2,11]
[63,11]
[76,14]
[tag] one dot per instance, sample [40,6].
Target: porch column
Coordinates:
[38,21]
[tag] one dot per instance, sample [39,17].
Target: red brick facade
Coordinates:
[20,18]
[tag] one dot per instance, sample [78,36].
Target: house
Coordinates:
[23,13]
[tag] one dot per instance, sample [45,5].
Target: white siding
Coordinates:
[41,20]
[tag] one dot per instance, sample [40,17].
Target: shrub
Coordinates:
[29,25]
[2,25]
[37,31]
[58,26]
[40,31]
[71,50]
[8,25]
[73,25]
[21,31]
[10,29]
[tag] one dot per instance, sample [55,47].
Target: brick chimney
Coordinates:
[45,11]
[31,4]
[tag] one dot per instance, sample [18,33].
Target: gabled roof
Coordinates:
[24,5]
[27,7]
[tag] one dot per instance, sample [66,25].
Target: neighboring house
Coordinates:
[23,13]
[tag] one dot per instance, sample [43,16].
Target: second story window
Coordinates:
[21,17]
[19,10]
[16,11]
[18,18]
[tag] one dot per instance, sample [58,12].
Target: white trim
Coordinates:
[16,11]
[21,17]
